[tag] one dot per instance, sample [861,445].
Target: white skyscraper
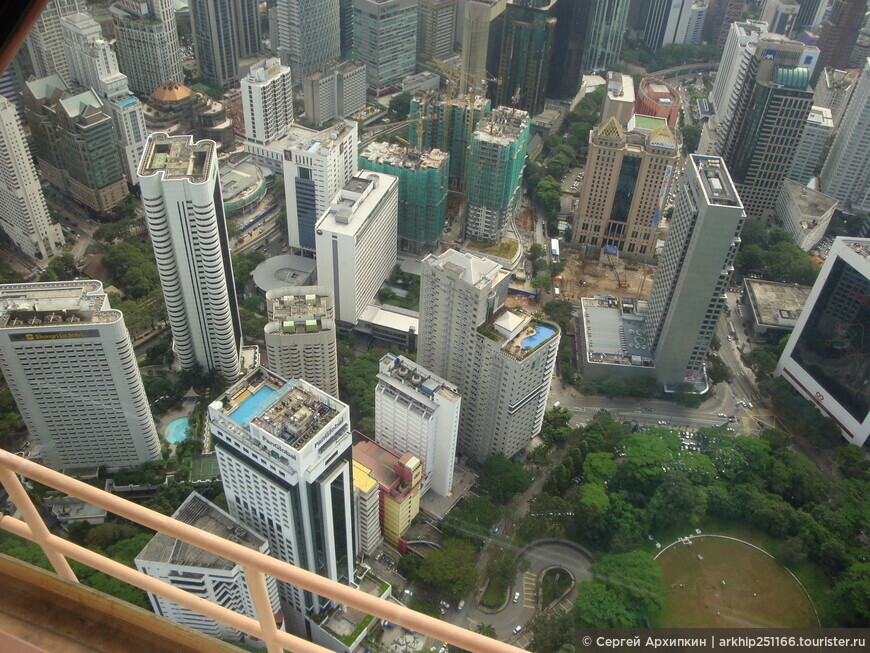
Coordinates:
[694,271]
[204,574]
[674,21]
[181,195]
[417,412]
[267,101]
[826,358]
[45,40]
[93,65]
[356,241]
[846,174]
[23,213]
[300,335]
[501,361]
[284,451]
[736,57]
[811,146]
[149,52]
[69,363]
[308,34]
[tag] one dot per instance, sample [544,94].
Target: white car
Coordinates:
[517,630]
[516,597]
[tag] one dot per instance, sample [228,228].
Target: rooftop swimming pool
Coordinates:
[176,430]
[253,405]
[542,333]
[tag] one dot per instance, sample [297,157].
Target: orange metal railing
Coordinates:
[255,564]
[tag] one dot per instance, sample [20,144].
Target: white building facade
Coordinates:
[284,451]
[417,412]
[464,329]
[204,574]
[337,91]
[267,101]
[23,212]
[69,363]
[739,49]
[811,146]
[805,213]
[301,334]
[356,241]
[826,358]
[181,195]
[45,39]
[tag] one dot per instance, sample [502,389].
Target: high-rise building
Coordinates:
[309,35]
[69,363]
[399,479]
[345,20]
[366,510]
[694,270]
[833,90]
[805,213]
[619,99]
[224,32]
[356,241]
[45,40]
[781,15]
[527,44]
[336,91]
[181,195]
[839,34]
[846,174]
[435,28]
[93,65]
[674,21]
[770,112]
[149,52]
[811,13]
[267,101]
[482,25]
[284,452]
[23,212]
[623,193]
[811,146]
[385,40]
[300,335]
[448,126]
[465,328]
[566,68]
[657,98]
[417,412]
[721,14]
[826,357]
[74,143]
[422,190]
[202,573]
[606,31]
[862,46]
[740,44]
[495,173]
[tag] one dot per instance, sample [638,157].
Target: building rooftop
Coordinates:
[773,302]
[239,178]
[821,116]
[811,203]
[620,87]
[391,317]
[197,511]
[473,270]
[292,411]
[178,157]
[171,91]
[415,379]
[300,309]
[402,157]
[380,462]
[264,71]
[282,271]
[70,509]
[312,140]
[502,126]
[47,88]
[352,206]
[615,331]
[517,333]
[342,67]
[715,180]
[39,306]
[362,478]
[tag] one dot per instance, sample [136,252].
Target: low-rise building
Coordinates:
[655,97]
[774,307]
[805,213]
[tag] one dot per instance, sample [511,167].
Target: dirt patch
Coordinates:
[586,278]
[525,220]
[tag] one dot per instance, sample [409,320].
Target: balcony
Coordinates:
[43,612]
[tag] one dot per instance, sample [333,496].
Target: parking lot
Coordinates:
[572,180]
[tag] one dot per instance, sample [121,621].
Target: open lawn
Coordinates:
[503,249]
[757,590]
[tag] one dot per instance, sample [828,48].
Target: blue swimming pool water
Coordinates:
[253,405]
[176,430]
[541,333]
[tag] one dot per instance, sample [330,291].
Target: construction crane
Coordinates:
[647,271]
[620,283]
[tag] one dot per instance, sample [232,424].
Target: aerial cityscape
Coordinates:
[433,325]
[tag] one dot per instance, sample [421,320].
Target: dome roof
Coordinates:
[171,91]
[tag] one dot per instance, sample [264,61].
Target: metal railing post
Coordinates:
[32,518]
[263,608]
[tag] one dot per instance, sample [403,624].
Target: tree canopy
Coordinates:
[502,478]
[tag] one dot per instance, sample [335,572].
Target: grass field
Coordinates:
[757,590]
[556,582]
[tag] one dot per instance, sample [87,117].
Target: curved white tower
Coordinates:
[183,204]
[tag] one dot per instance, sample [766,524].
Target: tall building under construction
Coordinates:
[495,173]
[447,124]
[422,190]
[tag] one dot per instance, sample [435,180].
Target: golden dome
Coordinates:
[171,91]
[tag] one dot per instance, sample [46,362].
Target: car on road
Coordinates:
[516,597]
[517,630]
